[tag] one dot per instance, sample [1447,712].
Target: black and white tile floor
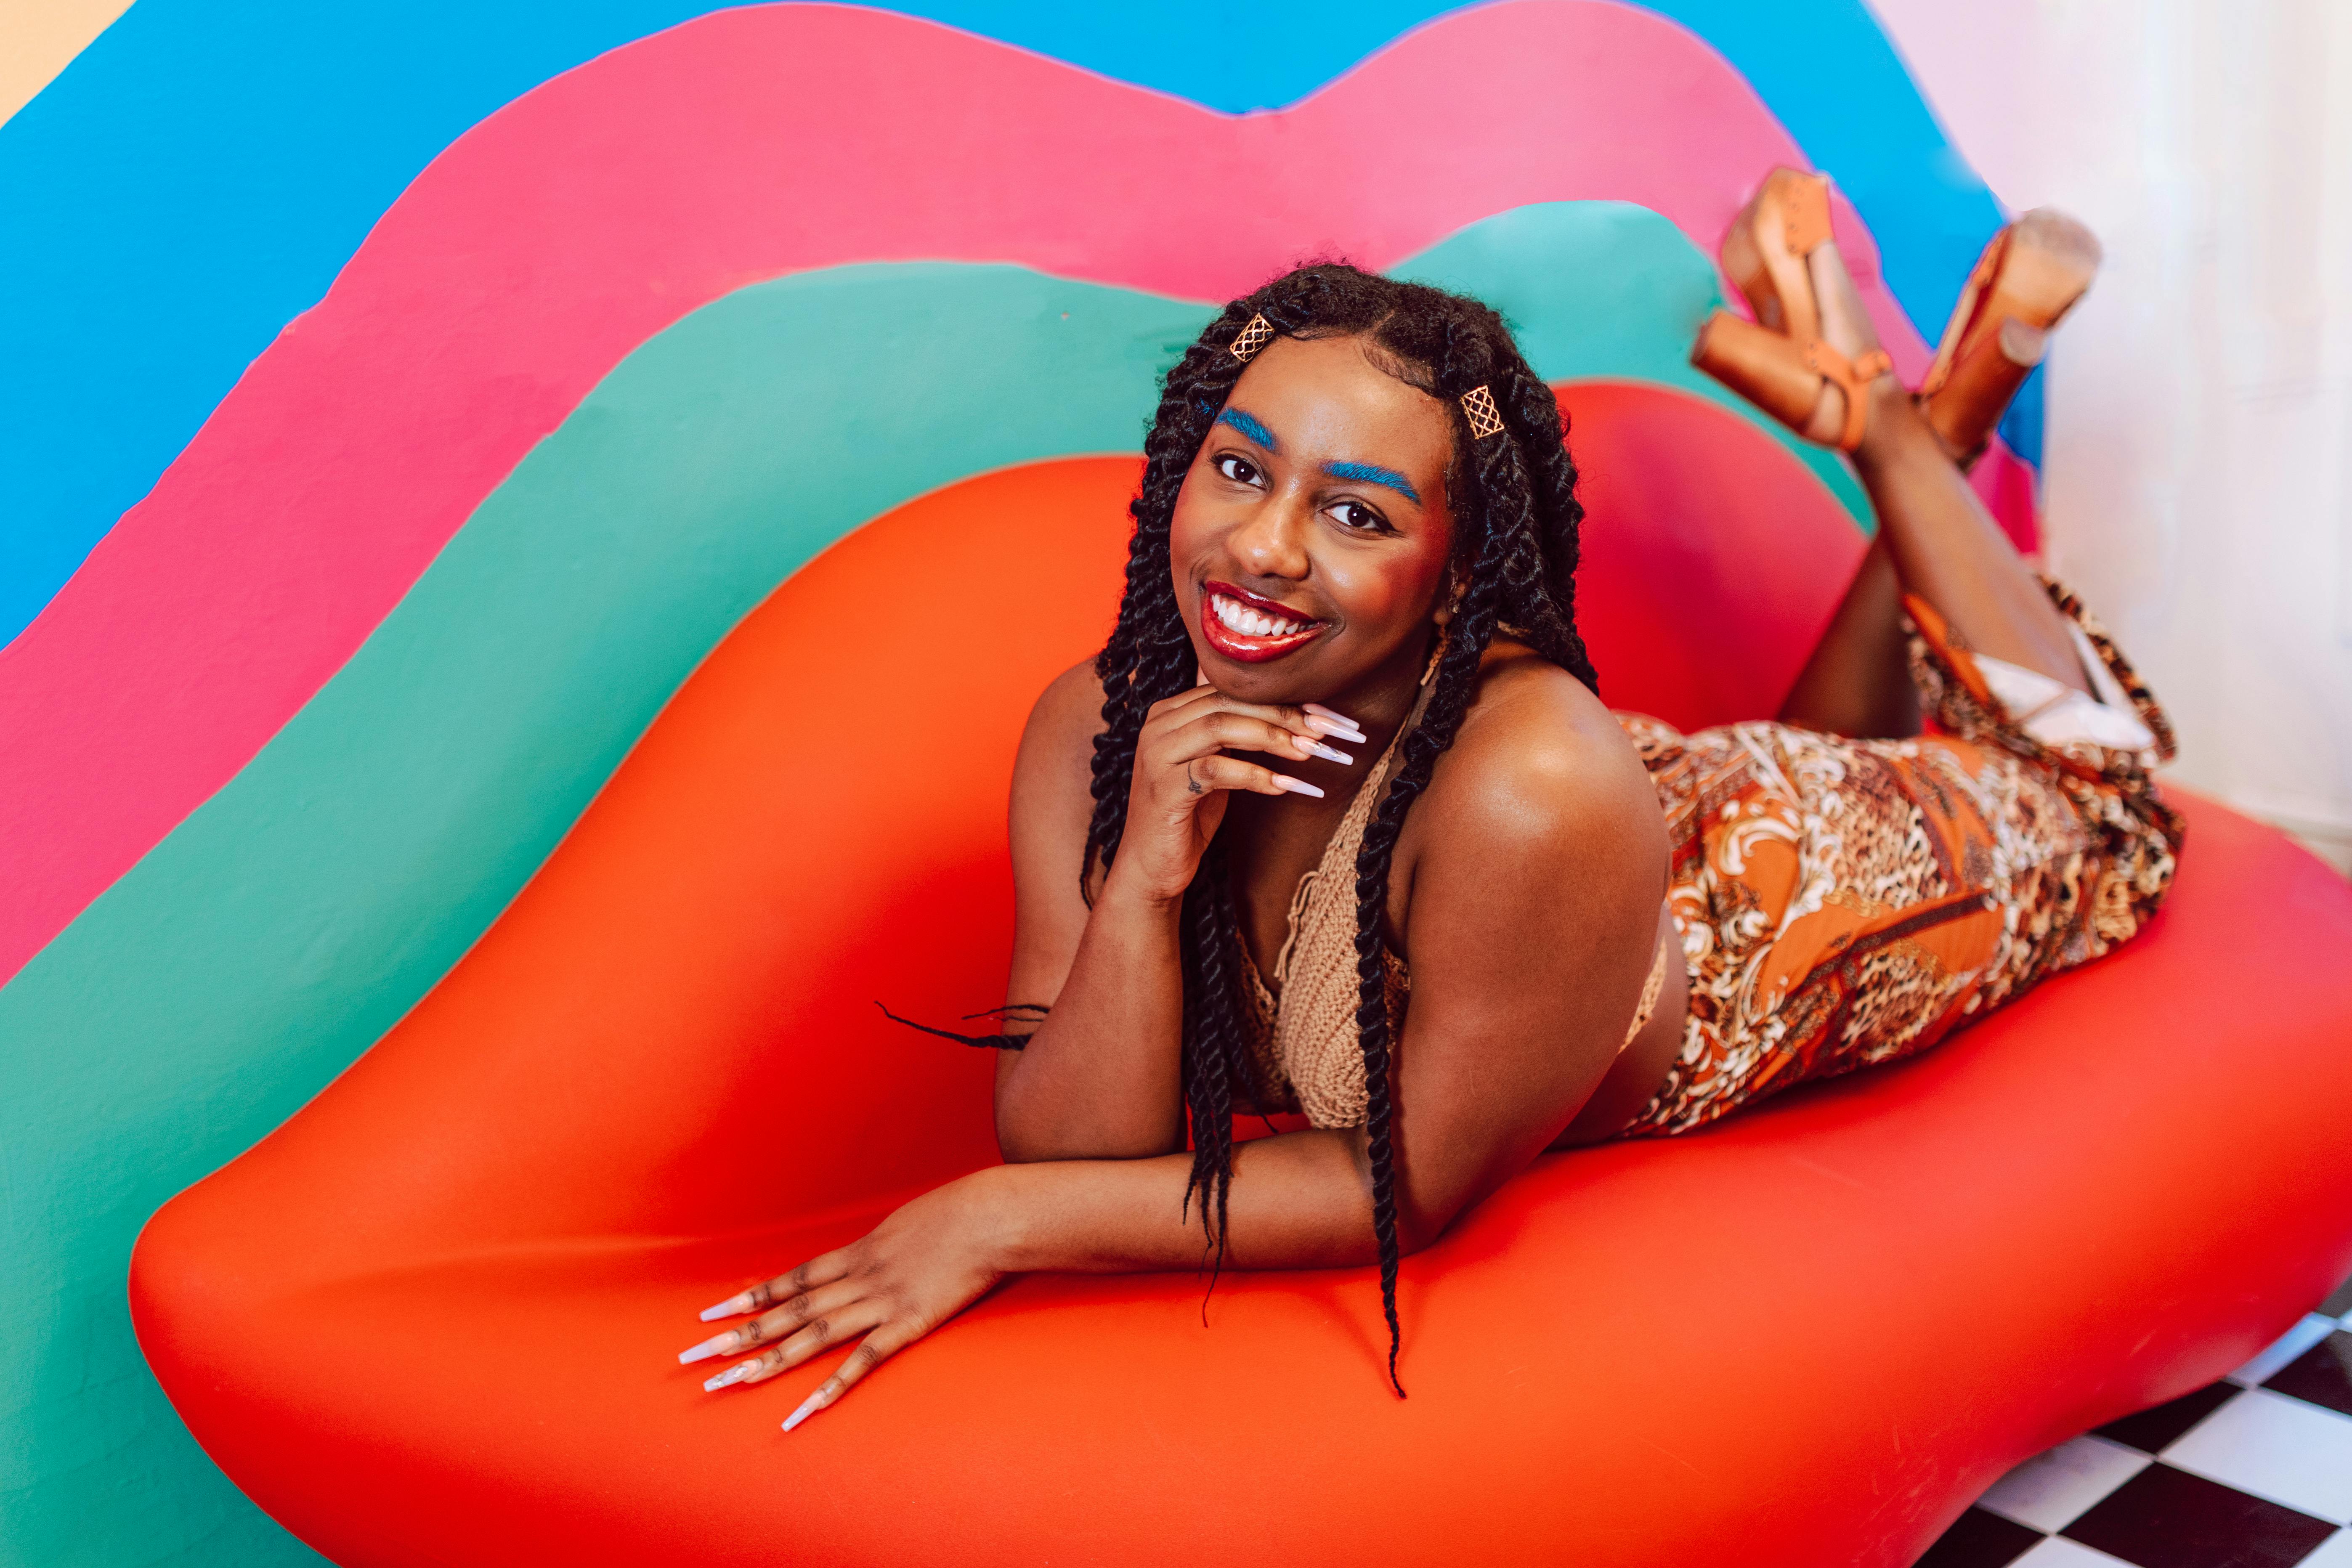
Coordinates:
[2254,1471]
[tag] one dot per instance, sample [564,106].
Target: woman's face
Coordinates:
[1311,537]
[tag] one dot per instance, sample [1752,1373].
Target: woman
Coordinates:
[1337,822]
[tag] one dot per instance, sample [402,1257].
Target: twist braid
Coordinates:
[1544,579]
[1502,483]
[1148,656]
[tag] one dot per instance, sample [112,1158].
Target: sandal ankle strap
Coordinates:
[1851,377]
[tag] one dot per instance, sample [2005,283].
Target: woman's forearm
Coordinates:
[1101,1079]
[1300,1200]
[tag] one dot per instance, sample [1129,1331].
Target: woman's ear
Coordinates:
[1457,586]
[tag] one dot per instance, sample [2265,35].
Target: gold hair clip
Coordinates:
[1254,336]
[1485,420]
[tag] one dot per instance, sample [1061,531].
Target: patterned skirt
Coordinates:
[1847,902]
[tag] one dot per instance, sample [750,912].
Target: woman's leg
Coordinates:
[1936,540]
[1858,681]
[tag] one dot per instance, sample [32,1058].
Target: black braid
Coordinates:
[1455,683]
[1513,497]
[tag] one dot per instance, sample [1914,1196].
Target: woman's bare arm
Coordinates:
[1099,1078]
[1530,877]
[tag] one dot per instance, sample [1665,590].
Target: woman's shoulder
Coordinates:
[1052,792]
[1068,714]
[1539,759]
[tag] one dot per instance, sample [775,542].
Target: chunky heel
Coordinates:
[1779,362]
[2022,285]
[1765,249]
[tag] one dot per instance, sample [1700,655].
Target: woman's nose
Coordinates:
[1273,542]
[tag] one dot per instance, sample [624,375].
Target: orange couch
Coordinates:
[434,1318]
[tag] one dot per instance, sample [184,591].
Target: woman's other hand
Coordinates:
[927,1262]
[1182,773]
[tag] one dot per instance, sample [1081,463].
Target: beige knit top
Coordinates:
[1307,1040]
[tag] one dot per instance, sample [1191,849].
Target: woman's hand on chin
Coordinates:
[927,1262]
[1182,773]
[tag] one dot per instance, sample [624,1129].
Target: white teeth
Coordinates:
[1240,617]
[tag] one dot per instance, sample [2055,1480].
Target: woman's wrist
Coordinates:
[1125,895]
[1003,1215]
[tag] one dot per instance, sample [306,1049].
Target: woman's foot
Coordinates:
[1810,356]
[2025,283]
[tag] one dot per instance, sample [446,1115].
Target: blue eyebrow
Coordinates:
[1249,428]
[1373,474]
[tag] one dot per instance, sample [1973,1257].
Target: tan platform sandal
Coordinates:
[1779,362]
[2025,283]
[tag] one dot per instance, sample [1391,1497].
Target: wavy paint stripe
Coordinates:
[202,172]
[565,230]
[308,905]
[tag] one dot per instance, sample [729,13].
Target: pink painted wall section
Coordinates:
[556,235]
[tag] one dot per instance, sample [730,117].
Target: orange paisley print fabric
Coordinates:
[1847,902]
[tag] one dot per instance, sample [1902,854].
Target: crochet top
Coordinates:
[1307,1042]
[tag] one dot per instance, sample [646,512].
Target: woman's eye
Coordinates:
[1358,518]
[1239,470]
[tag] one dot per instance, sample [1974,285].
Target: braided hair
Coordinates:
[1514,502]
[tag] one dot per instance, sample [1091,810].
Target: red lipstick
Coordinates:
[1251,629]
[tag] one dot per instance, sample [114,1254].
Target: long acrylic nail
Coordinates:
[1330,754]
[1333,728]
[809,1407]
[732,1376]
[1296,786]
[734,1306]
[717,1344]
[1328,713]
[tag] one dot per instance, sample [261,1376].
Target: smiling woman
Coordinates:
[1338,824]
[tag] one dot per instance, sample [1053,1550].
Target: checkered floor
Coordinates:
[2254,1471]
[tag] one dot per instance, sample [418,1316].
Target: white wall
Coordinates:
[2198,487]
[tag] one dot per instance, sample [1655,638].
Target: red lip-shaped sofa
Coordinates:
[433,1319]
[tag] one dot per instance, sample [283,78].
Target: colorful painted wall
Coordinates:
[404,400]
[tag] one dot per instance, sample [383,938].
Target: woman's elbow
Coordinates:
[1013,1151]
[1420,1221]
[1021,1141]
[1416,1232]
[1025,1140]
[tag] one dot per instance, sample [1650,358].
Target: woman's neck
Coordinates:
[1380,704]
